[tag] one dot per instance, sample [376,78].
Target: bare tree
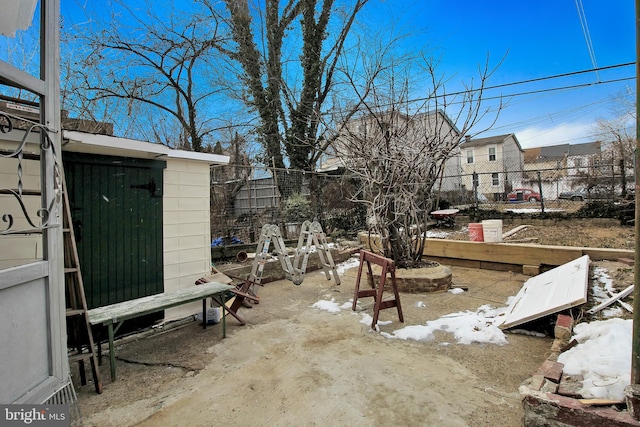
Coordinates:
[157,66]
[289,95]
[619,141]
[399,149]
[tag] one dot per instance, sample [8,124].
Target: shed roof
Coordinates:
[83,142]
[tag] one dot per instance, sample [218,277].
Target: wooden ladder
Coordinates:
[79,335]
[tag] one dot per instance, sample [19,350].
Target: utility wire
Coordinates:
[512,95]
[559,88]
[574,73]
[587,35]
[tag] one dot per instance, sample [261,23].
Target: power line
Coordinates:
[574,73]
[587,35]
[556,76]
[559,88]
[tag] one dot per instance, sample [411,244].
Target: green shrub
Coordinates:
[297,208]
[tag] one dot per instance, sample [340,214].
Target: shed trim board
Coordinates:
[104,144]
[547,293]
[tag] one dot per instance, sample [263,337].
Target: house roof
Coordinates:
[557,152]
[407,117]
[83,142]
[490,140]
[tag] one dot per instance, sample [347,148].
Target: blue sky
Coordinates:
[536,39]
[533,39]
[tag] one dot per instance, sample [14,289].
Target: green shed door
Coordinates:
[116,207]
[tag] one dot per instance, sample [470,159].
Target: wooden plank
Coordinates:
[607,253]
[600,402]
[531,270]
[137,307]
[624,305]
[522,254]
[514,231]
[611,300]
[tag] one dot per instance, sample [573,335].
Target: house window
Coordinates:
[469,156]
[495,178]
[577,162]
[492,154]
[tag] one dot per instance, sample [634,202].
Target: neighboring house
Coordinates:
[560,166]
[413,132]
[496,162]
[140,214]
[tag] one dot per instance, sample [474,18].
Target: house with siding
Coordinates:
[493,165]
[560,166]
[412,132]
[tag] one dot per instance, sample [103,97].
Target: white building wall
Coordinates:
[187,234]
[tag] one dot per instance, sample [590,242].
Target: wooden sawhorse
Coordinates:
[388,266]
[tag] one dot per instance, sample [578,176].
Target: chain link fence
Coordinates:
[541,190]
[244,198]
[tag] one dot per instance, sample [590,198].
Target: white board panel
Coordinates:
[550,292]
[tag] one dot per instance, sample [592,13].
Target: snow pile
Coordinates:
[533,210]
[603,357]
[347,265]
[433,234]
[602,290]
[331,306]
[467,327]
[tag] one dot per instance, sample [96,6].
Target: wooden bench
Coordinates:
[119,312]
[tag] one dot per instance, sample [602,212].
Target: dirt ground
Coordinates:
[294,365]
[566,233]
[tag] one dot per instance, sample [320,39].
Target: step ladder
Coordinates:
[311,234]
[80,342]
[268,234]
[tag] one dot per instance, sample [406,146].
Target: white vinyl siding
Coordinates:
[187,236]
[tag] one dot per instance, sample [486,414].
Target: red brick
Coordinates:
[551,370]
[564,321]
[561,410]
